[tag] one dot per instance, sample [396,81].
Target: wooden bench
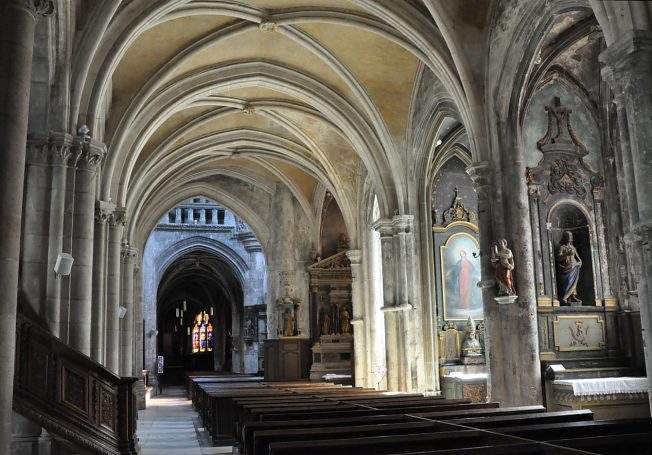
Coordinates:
[307,414]
[245,439]
[393,444]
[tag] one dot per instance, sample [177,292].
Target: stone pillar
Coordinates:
[103,211]
[202,216]
[128,256]
[386,231]
[409,331]
[628,69]
[519,322]
[60,153]
[177,215]
[33,261]
[497,382]
[17,19]
[81,276]
[139,336]
[189,216]
[117,222]
[214,216]
[360,345]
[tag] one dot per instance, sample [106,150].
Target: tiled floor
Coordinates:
[169,426]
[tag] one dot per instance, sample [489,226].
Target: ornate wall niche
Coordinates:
[566,195]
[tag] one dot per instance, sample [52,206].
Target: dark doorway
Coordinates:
[195,313]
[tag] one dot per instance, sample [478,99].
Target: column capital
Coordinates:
[629,57]
[354,256]
[92,153]
[384,227]
[35,7]
[481,174]
[127,252]
[103,211]
[118,217]
[52,148]
[402,224]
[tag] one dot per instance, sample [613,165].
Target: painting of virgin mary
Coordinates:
[460,275]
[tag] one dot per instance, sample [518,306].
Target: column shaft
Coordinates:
[116,226]
[127,323]
[81,290]
[16,47]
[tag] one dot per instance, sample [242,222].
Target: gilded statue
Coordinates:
[288,325]
[569,264]
[345,324]
[325,323]
[502,260]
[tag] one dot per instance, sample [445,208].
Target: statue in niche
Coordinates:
[568,270]
[325,323]
[345,318]
[502,260]
[471,346]
[342,243]
[288,323]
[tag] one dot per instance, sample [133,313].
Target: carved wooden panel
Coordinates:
[75,389]
[107,406]
[38,368]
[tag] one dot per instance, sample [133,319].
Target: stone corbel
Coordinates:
[118,217]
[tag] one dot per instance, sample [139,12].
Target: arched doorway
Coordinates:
[199,300]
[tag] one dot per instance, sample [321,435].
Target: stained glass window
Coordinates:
[202,334]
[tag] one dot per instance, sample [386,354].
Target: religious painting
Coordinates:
[460,268]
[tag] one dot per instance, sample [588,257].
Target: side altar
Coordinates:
[332,348]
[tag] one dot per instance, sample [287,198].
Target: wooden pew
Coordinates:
[459,414]
[569,430]
[627,443]
[394,444]
[245,439]
[263,438]
[308,414]
[486,422]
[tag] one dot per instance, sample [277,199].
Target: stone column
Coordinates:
[117,222]
[214,216]
[628,69]
[33,260]
[202,216]
[497,382]
[139,336]
[60,152]
[359,339]
[103,211]
[128,256]
[189,215]
[17,19]
[386,231]
[81,276]
[177,215]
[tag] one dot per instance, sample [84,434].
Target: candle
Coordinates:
[188,330]
[211,311]
[184,306]
[177,313]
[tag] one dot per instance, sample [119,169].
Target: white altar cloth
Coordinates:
[460,375]
[605,386]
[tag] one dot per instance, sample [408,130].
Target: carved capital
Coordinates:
[481,174]
[384,228]
[127,253]
[53,148]
[118,217]
[628,61]
[103,211]
[402,224]
[35,7]
[354,256]
[91,155]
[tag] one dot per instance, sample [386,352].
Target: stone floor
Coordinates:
[169,426]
